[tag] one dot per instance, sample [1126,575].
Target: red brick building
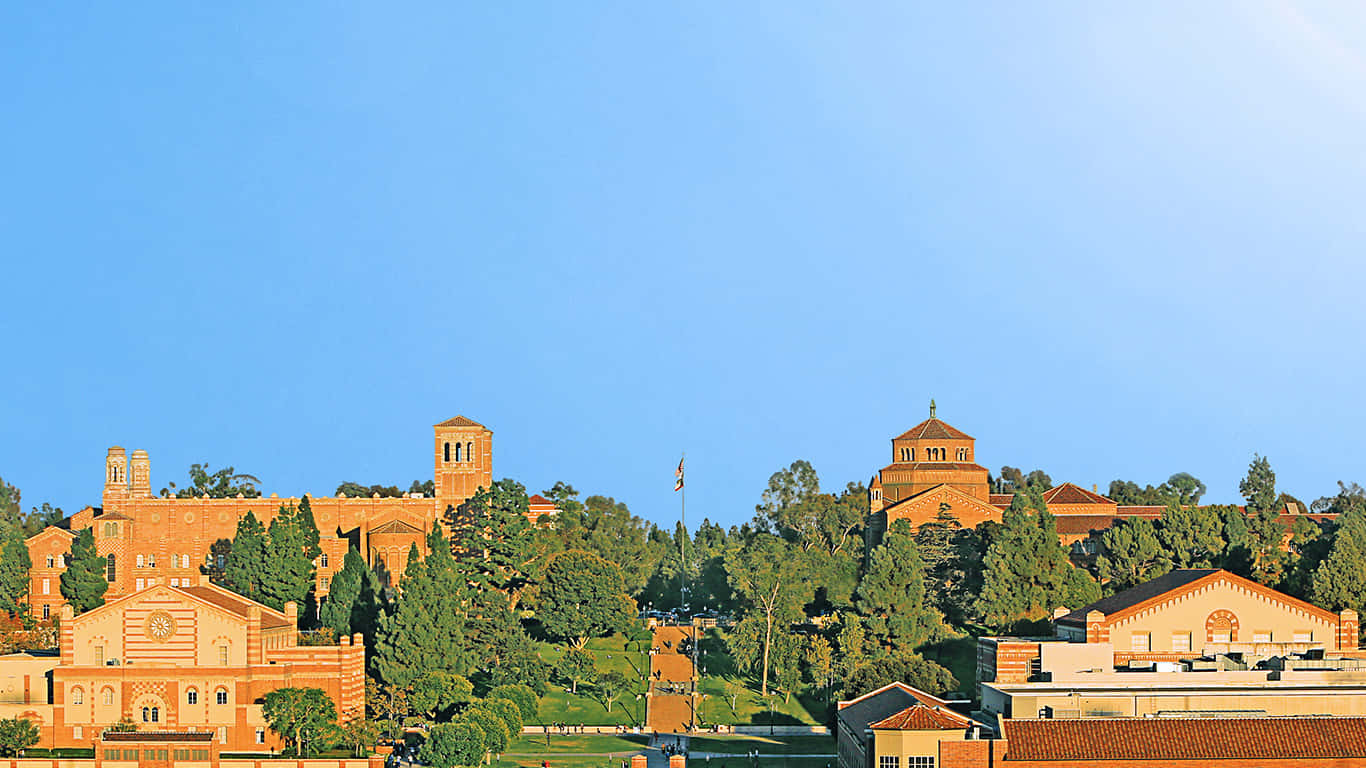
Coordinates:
[934,466]
[188,658]
[149,540]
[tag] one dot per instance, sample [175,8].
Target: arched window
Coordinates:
[469,451]
[109,570]
[146,714]
[220,696]
[184,561]
[51,561]
[192,696]
[151,561]
[457,451]
[156,714]
[107,696]
[448,452]
[77,695]
[142,561]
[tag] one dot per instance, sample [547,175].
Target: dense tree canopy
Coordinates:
[302,717]
[582,596]
[225,483]
[83,583]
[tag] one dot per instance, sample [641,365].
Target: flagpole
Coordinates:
[682,540]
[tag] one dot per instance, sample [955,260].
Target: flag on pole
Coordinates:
[678,473]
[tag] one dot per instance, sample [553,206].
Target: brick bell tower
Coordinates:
[464,460]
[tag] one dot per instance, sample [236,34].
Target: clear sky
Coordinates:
[290,237]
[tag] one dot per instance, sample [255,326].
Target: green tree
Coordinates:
[83,583]
[582,596]
[493,527]
[358,491]
[302,717]
[521,695]
[771,585]
[14,570]
[576,666]
[819,662]
[427,630]
[1187,488]
[359,734]
[522,667]
[604,526]
[1259,486]
[226,483]
[289,572]
[611,685]
[246,562]
[1340,581]
[912,669]
[1027,573]
[16,735]
[794,508]
[496,735]
[891,596]
[9,505]
[852,642]
[508,712]
[1192,537]
[1131,554]
[309,528]
[439,691]
[460,743]
[340,607]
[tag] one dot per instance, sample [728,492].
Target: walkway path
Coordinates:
[672,677]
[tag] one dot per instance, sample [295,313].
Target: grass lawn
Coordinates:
[960,657]
[591,743]
[752,709]
[740,744]
[560,761]
[586,708]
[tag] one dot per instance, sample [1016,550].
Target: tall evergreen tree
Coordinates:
[426,632]
[493,524]
[1131,554]
[1027,573]
[1266,535]
[83,583]
[892,596]
[289,573]
[1340,581]
[337,610]
[14,570]
[1193,537]
[1259,486]
[246,562]
[309,528]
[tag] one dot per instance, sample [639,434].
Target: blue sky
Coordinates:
[291,237]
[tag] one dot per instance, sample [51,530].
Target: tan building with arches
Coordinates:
[189,658]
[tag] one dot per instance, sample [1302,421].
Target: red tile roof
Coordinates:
[1106,740]
[1070,493]
[539,500]
[234,604]
[933,429]
[1001,499]
[919,466]
[460,421]
[1074,524]
[919,717]
[1180,582]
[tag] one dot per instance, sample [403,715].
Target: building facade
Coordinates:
[934,469]
[189,658]
[149,540]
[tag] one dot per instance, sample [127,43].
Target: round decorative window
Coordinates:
[160,626]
